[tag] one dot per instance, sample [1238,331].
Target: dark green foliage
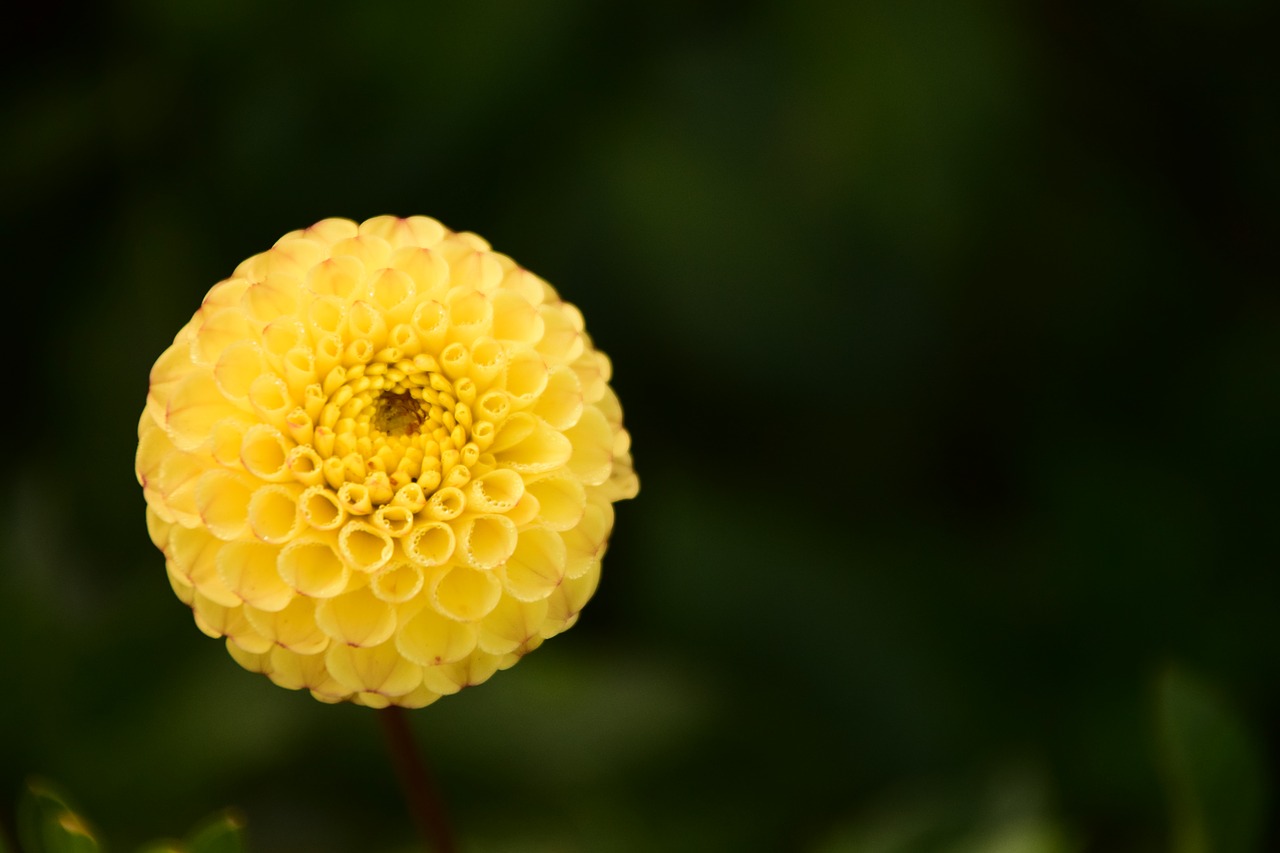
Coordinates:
[946,333]
[47,824]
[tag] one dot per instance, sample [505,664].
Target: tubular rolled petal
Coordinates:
[269,397]
[430,544]
[393,292]
[222,499]
[367,321]
[264,452]
[466,594]
[543,449]
[470,314]
[326,317]
[488,358]
[446,504]
[430,321]
[395,521]
[397,582]
[321,509]
[485,541]
[313,568]
[364,547]
[496,491]
[299,371]
[273,513]
[527,377]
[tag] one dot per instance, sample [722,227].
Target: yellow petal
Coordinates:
[485,541]
[429,544]
[495,492]
[542,449]
[564,605]
[510,625]
[273,513]
[536,567]
[222,499]
[293,628]
[430,639]
[364,547]
[585,543]
[561,501]
[298,671]
[194,554]
[466,594]
[397,582]
[592,440]
[379,669]
[449,678]
[237,367]
[357,618]
[249,569]
[313,568]
[195,405]
[560,403]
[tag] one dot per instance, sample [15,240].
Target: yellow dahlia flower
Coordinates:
[381,461]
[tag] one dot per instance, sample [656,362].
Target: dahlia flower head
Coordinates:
[381,461]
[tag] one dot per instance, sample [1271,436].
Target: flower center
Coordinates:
[397,413]
[386,425]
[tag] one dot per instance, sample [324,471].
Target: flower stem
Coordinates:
[419,792]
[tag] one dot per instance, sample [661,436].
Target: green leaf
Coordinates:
[221,833]
[1213,768]
[46,824]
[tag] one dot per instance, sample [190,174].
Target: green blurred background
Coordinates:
[946,333]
